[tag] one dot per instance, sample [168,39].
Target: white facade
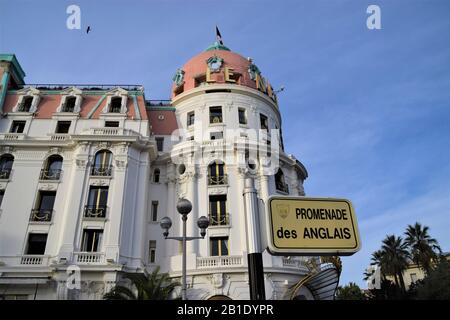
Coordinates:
[97,234]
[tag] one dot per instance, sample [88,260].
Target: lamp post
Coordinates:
[184,206]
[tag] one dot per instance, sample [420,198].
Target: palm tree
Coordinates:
[424,249]
[394,259]
[156,286]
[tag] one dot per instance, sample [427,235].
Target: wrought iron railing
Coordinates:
[41,215]
[221,220]
[50,174]
[67,109]
[158,103]
[129,87]
[93,211]
[103,171]
[5,173]
[217,180]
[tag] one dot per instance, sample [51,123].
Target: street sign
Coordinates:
[311,226]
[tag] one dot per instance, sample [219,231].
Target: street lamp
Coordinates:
[184,206]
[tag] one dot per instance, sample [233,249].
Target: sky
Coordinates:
[366,111]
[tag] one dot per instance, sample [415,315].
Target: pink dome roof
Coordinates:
[195,70]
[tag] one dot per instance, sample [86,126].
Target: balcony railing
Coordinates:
[41,215]
[89,257]
[94,211]
[57,86]
[67,109]
[102,171]
[51,174]
[5,173]
[222,220]
[283,187]
[219,261]
[217,180]
[293,263]
[32,259]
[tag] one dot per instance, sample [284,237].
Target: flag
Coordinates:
[218,36]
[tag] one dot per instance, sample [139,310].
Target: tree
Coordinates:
[436,286]
[349,292]
[424,250]
[394,258]
[156,286]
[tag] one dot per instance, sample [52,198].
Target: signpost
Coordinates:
[311,226]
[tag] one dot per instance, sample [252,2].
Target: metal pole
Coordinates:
[183,288]
[255,263]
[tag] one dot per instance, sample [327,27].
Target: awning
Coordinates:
[322,284]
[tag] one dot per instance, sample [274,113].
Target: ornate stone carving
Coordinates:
[121,164]
[217,190]
[55,150]
[7,149]
[81,163]
[100,182]
[48,186]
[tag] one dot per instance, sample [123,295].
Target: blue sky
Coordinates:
[366,111]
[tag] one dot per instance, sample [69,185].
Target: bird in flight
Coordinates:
[88,29]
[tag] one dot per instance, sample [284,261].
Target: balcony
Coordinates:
[219,262]
[281,186]
[5,173]
[33,259]
[293,263]
[102,171]
[51,174]
[12,136]
[41,215]
[89,257]
[94,211]
[217,180]
[222,220]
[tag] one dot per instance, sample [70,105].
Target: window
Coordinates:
[52,170]
[219,246]
[413,277]
[156,175]
[2,193]
[159,143]
[190,118]
[69,105]
[216,173]
[6,163]
[36,243]
[44,207]
[215,115]
[116,105]
[154,211]
[112,124]
[152,251]
[26,104]
[63,127]
[218,210]
[102,163]
[17,126]
[216,135]
[242,116]
[91,241]
[97,200]
[280,183]
[264,122]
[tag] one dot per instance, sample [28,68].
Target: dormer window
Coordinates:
[116,102]
[69,106]
[26,104]
[28,100]
[70,100]
[116,105]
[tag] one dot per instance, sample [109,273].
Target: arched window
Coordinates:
[26,104]
[69,105]
[116,105]
[52,169]
[280,183]
[216,173]
[102,163]
[156,175]
[6,163]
